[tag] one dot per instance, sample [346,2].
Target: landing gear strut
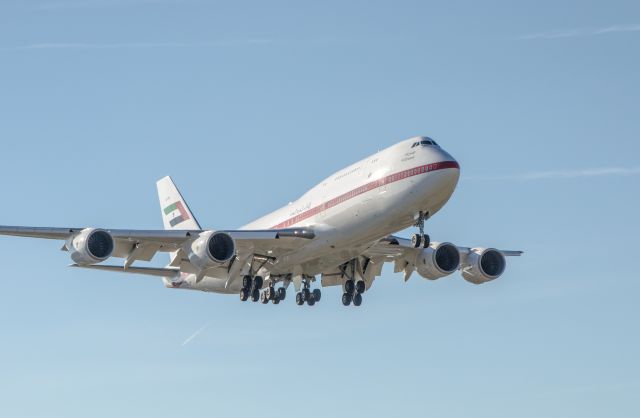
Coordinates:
[421,240]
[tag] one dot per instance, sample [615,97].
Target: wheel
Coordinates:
[360,286]
[255,295]
[264,298]
[426,240]
[270,292]
[276,299]
[416,240]
[282,293]
[246,282]
[258,282]
[306,294]
[346,299]
[311,301]
[349,285]
[244,294]
[299,300]
[317,294]
[357,299]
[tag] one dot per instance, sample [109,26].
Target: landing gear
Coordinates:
[251,288]
[354,286]
[306,295]
[421,240]
[273,295]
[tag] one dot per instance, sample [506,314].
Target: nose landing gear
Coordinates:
[421,240]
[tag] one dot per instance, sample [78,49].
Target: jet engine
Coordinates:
[90,246]
[483,265]
[211,249]
[437,260]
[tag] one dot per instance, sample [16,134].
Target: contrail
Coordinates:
[195,334]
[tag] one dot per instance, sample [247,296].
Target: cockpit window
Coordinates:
[424,141]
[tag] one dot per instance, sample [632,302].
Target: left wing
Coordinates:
[93,245]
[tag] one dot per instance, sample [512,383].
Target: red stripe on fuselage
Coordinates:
[392,178]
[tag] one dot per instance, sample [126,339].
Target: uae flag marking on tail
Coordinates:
[181,214]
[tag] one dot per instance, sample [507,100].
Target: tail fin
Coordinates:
[175,211]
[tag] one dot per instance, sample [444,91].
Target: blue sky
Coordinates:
[247,105]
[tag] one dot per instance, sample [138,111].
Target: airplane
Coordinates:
[341,230]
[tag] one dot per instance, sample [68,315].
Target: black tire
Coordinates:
[357,299]
[271,292]
[346,299]
[263,298]
[299,300]
[311,301]
[244,295]
[416,240]
[349,286]
[276,300]
[306,294]
[255,295]
[258,281]
[282,293]
[317,294]
[360,286]
[246,282]
[426,240]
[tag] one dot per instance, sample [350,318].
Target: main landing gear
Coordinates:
[353,291]
[421,240]
[306,295]
[251,288]
[353,287]
[272,294]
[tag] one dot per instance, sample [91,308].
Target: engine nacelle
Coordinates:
[483,265]
[437,260]
[211,249]
[90,246]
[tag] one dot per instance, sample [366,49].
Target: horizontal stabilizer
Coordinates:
[148,271]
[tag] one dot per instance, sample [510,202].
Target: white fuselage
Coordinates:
[357,206]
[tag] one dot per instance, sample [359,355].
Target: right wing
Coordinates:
[477,265]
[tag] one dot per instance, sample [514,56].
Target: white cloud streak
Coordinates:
[195,334]
[564,174]
[573,33]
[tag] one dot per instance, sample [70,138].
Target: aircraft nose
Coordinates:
[446,163]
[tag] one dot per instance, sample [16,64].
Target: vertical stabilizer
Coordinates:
[175,211]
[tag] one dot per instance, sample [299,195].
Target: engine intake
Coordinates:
[483,265]
[211,249]
[91,246]
[438,260]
